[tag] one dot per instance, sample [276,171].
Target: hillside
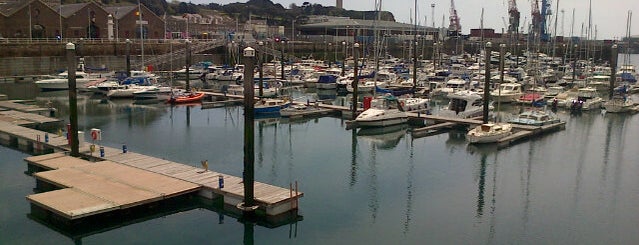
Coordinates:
[275,14]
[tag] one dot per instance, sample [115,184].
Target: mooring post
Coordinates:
[249,129]
[487,51]
[128,57]
[73,101]
[188,63]
[613,67]
[260,64]
[355,78]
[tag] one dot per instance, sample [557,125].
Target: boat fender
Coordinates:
[401,103]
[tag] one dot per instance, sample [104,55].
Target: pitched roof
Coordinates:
[10,8]
[120,11]
[70,9]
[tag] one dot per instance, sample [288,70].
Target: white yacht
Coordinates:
[489,132]
[507,93]
[464,104]
[384,111]
[587,99]
[61,81]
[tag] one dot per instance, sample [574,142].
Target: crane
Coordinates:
[454,28]
[513,17]
[536,17]
[539,18]
[545,12]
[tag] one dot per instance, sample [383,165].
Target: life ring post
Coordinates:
[96,134]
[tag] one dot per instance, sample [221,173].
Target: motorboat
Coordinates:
[153,92]
[587,99]
[451,86]
[270,106]
[464,104]
[620,104]
[384,111]
[188,97]
[563,99]
[364,86]
[507,93]
[414,104]
[296,109]
[267,91]
[489,132]
[326,82]
[535,118]
[599,82]
[532,98]
[553,91]
[61,81]
[131,85]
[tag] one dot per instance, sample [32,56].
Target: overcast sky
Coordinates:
[608,16]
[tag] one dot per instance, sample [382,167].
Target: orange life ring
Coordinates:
[94,135]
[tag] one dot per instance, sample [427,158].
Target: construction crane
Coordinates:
[539,17]
[513,17]
[536,18]
[454,28]
[545,13]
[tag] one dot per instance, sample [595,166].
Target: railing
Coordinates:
[196,47]
[4,40]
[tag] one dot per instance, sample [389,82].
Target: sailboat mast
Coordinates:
[141,33]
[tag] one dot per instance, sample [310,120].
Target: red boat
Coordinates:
[186,98]
[535,99]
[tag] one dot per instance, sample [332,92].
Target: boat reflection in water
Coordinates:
[383,137]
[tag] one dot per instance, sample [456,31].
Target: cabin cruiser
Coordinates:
[535,118]
[507,93]
[587,99]
[464,104]
[384,111]
[489,132]
[61,81]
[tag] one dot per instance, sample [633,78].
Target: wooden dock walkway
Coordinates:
[90,188]
[28,119]
[30,139]
[21,106]
[271,199]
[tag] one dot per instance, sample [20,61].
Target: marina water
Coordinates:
[576,186]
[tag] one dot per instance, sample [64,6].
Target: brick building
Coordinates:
[19,18]
[37,19]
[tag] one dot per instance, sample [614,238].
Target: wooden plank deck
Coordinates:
[93,190]
[17,106]
[32,118]
[233,185]
[55,141]
[98,187]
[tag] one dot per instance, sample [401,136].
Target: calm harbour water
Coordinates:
[576,186]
